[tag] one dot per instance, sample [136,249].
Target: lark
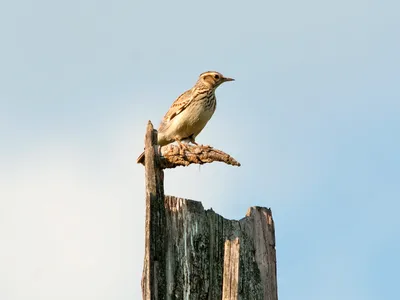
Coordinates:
[190,112]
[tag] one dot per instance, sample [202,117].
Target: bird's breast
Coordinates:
[189,122]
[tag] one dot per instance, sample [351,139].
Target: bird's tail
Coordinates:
[140,159]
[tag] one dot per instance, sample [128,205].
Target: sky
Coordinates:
[313,117]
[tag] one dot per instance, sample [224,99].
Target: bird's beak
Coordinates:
[228,79]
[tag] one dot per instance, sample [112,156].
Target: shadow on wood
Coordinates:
[192,253]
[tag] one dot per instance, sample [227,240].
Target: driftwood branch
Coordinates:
[173,156]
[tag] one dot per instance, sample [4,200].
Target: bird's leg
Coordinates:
[191,139]
[159,150]
[182,147]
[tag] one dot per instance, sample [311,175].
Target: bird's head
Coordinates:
[212,79]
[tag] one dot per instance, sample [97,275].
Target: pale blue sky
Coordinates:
[313,117]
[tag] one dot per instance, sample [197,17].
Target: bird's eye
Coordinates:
[216,76]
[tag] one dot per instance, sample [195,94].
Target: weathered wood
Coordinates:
[153,278]
[196,248]
[192,253]
[231,270]
[200,154]
[259,227]
[173,156]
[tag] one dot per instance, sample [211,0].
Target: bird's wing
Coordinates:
[178,106]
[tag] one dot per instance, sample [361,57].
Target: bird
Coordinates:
[190,112]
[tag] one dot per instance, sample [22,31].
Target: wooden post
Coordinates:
[193,253]
[153,278]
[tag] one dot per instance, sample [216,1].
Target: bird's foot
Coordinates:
[182,148]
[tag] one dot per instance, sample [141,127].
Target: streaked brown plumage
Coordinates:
[190,112]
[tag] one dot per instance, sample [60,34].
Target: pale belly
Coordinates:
[188,123]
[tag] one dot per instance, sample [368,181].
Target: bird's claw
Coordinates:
[182,148]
